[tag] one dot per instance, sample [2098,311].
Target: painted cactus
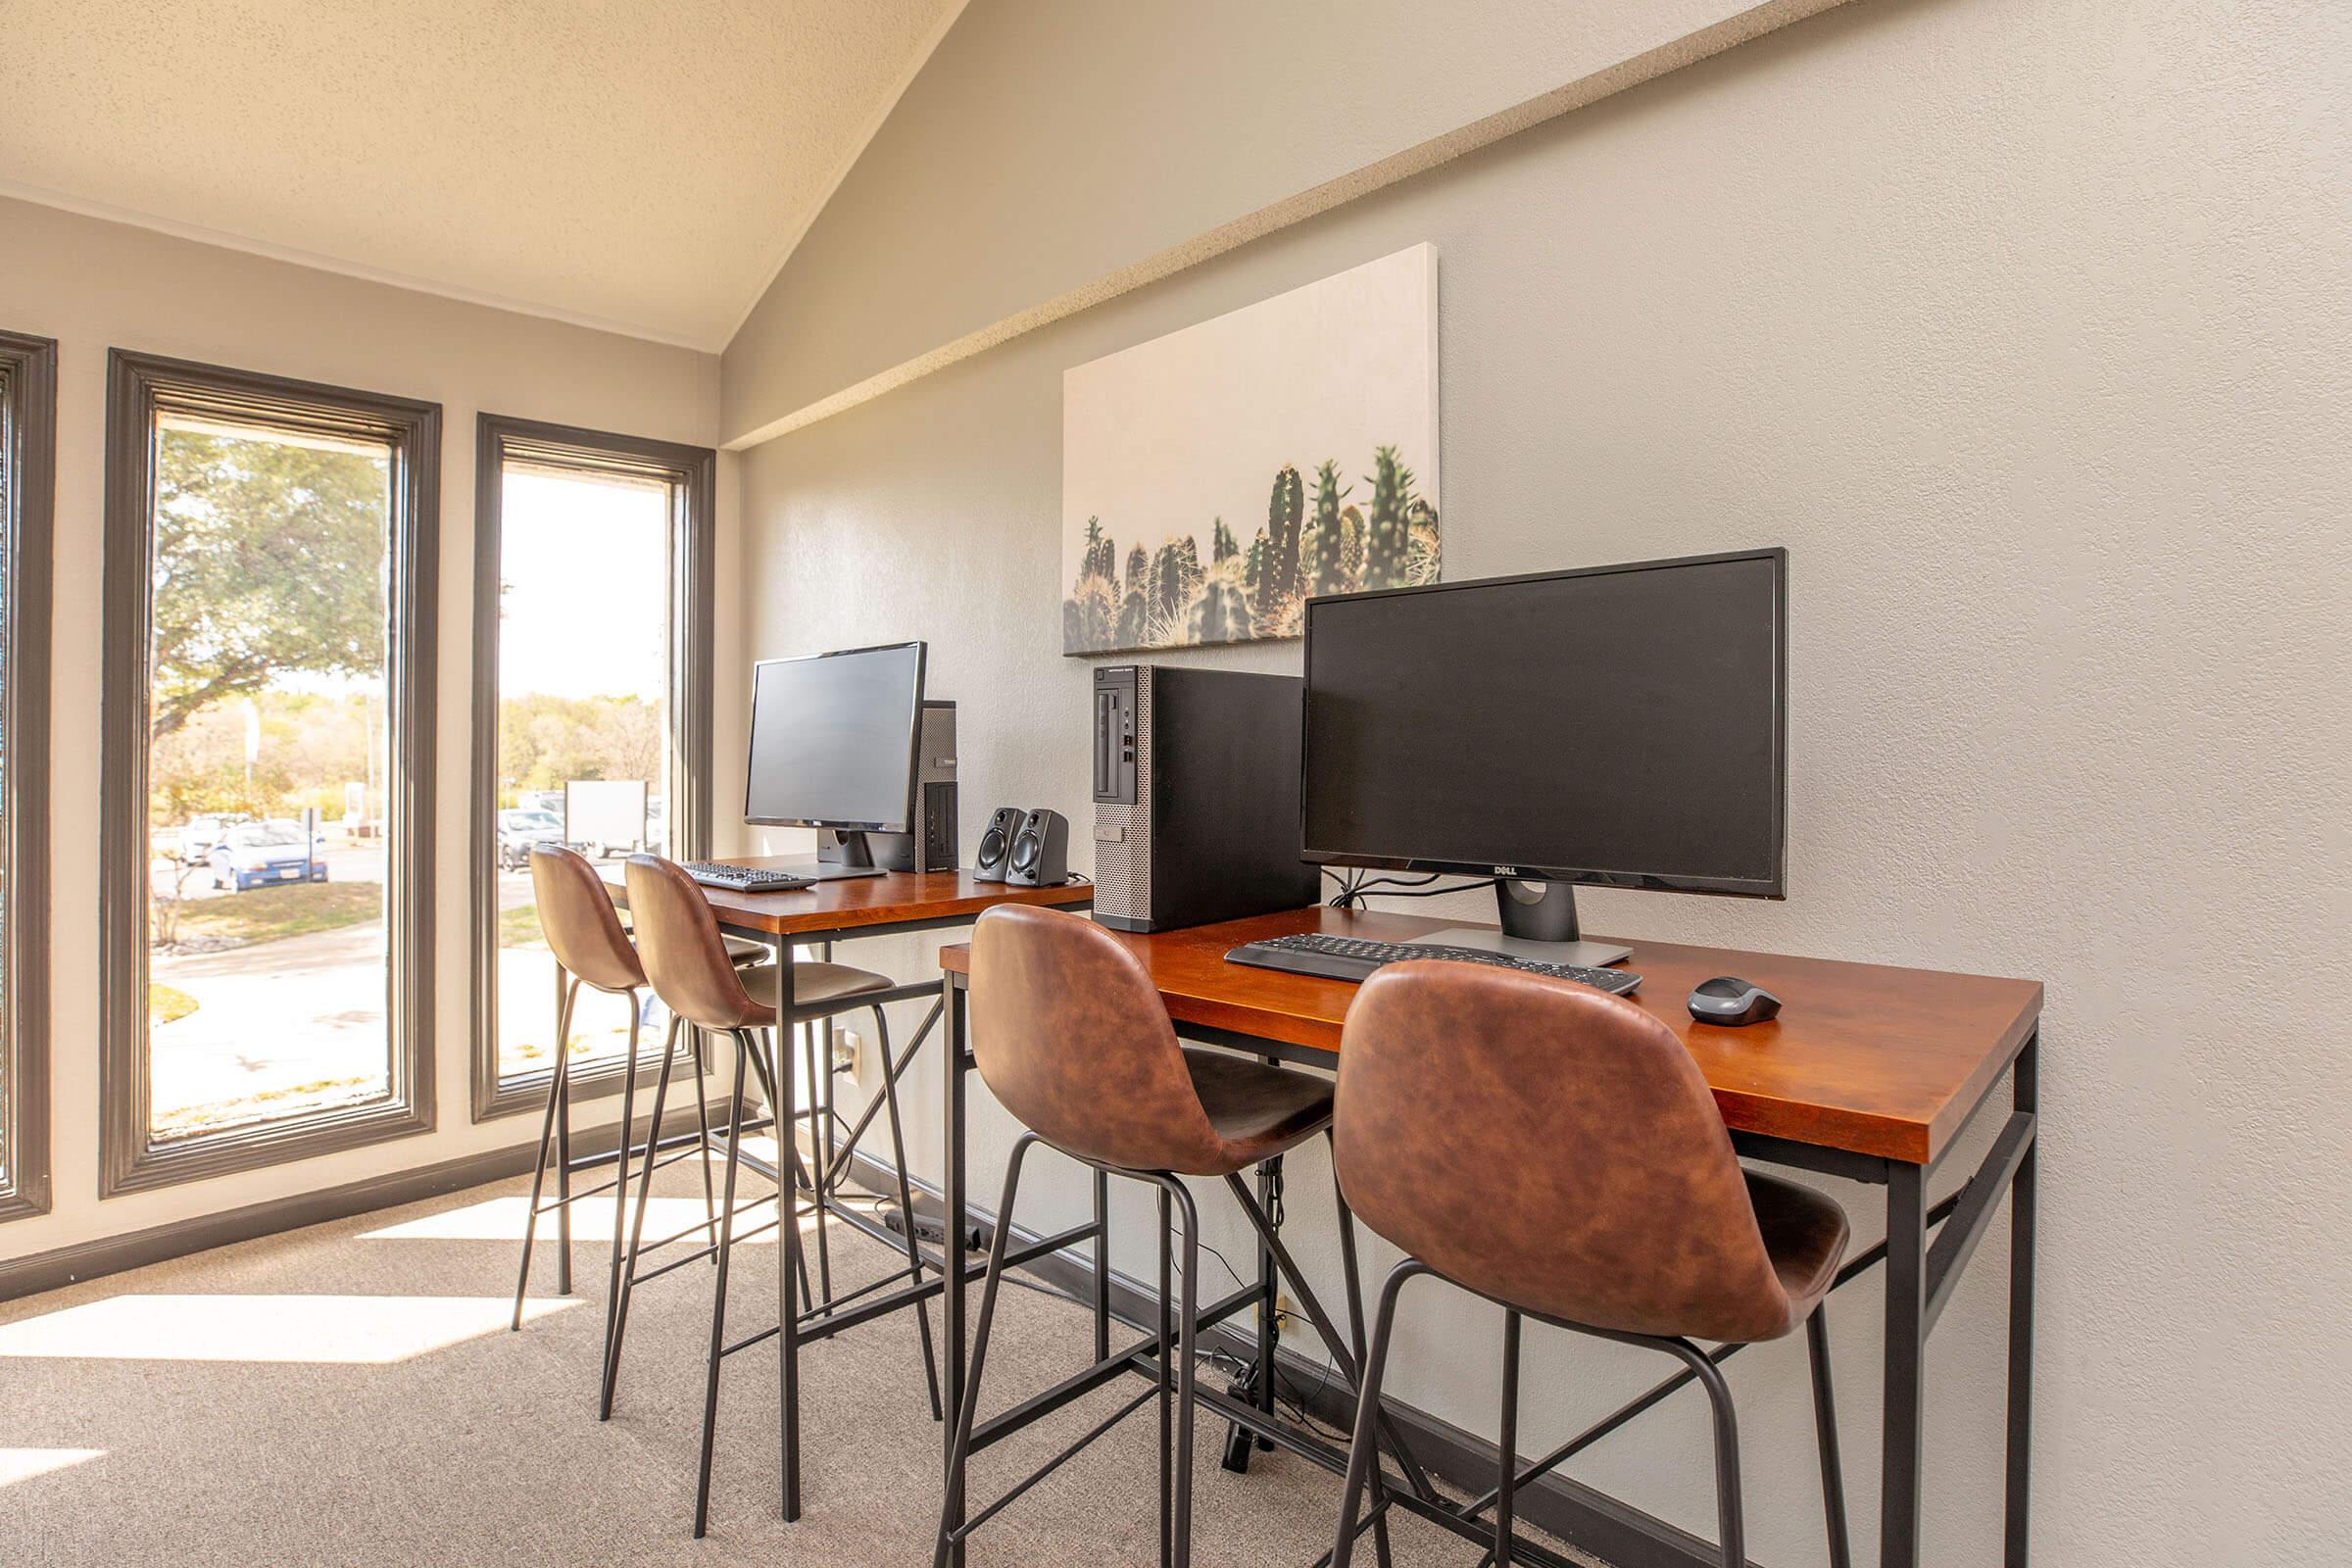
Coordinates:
[1352,546]
[1175,578]
[1132,620]
[1221,614]
[1421,529]
[1224,589]
[1102,558]
[1388,544]
[1091,615]
[1284,513]
[1317,553]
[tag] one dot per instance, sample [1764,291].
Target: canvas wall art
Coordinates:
[1215,479]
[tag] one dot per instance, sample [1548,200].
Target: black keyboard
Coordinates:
[744,878]
[1352,958]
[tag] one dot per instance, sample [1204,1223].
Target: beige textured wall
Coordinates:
[1004,180]
[93,286]
[2026,324]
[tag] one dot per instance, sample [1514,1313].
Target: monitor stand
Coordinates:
[839,856]
[1538,924]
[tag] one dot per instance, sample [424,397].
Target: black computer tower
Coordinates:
[1196,796]
[932,843]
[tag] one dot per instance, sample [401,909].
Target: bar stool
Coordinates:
[685,957]
[1072,1039]
[591,948]
[1625,1215]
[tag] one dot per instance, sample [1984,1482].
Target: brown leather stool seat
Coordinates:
[592,947]
[1072,1037]
[1805,1236]
[1257,1112]
[1626,1215]
[814,984]
[691,966]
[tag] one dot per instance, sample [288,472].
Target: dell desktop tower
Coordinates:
[1195,797]
[930,845]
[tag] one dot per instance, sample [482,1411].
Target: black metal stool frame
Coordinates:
[822,1317]
[554,1130]
[1173,1345]
[1700,1365]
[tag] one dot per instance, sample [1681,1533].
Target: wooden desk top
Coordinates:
[894,898]
[1866,1059]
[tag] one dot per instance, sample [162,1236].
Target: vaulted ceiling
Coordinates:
[639,164]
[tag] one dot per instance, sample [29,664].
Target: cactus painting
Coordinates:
[1215,480]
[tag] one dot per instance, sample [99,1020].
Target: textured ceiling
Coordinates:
[639,164]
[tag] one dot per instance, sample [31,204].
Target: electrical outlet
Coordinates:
[849,1050]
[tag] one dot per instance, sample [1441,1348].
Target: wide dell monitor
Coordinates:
[1624,726]
[834,747]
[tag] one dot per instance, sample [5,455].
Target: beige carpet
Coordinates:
[350,1395]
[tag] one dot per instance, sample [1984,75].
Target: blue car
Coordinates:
[260,855]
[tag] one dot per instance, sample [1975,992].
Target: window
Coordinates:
[28,457]
[268,769]
[592,712]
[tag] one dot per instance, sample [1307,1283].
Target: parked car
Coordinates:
[254,854]
[197,838]
[520,828]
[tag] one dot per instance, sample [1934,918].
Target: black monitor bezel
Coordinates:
[1774,886]
[914,742]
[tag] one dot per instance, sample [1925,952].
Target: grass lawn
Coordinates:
[166,1002]
[518,927]
[266,915]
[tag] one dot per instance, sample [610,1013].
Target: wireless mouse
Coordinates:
[1730,1000]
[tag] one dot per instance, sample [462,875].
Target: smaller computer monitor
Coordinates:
[834,740]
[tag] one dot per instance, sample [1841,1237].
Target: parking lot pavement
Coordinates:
[273,1017]
[346,862]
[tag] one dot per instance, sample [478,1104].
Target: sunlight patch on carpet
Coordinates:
[355,1330]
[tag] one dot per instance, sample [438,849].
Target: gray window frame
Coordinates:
[27,513]
[139,387]
[691,474]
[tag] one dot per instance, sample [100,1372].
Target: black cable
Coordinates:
[1355,890]
[1400,890]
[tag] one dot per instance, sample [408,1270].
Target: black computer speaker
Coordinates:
[995,845]
[1040,851]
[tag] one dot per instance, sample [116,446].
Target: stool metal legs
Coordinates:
[914,1252]
[1825,1426]
[1731,1516]
[1352,1281]
[759,1070]
[1363,1450]
[1171,1364]
[999,1240]
[625,1263]
[1731,1513]
[718,1298]
[1176,1449]
[820,1140]
[1508,1441]
[554,1127]
[621,1184]
[1172,1374]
